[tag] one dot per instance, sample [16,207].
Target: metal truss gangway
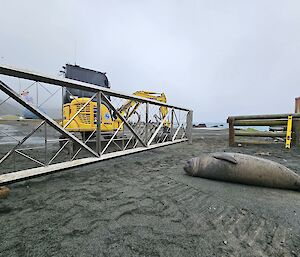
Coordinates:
[36,147]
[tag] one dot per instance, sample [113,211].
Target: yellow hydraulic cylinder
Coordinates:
[289,132]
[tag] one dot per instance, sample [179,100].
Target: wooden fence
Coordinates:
[271,120]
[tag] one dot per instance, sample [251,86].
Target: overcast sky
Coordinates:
[217,57]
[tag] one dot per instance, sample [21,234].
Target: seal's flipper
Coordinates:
[225,157]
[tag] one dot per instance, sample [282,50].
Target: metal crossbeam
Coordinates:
[29,157]
[25,74]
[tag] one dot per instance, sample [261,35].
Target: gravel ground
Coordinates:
[145,205]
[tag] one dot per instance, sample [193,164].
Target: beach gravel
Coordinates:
[145,205]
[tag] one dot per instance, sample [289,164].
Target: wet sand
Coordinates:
[145,205]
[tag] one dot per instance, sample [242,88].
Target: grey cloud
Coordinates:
[216,57]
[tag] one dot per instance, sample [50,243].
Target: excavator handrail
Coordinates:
[30,75]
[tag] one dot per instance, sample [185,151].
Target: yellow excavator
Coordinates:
[86,122]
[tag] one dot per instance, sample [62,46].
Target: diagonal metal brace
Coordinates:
[123,119]
[158,129]
[6,89]
[82,107]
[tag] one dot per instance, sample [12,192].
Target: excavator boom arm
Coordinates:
[160,97]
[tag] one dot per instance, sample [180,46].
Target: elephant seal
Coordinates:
[244,169]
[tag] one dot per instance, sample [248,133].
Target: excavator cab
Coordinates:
[78,73]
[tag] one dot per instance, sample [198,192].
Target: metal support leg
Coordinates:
[189,126]
[98,117]
[62,104]
[46,153]
[147,122]
[172,122]
[37,94]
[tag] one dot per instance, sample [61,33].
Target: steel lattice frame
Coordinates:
[143,135]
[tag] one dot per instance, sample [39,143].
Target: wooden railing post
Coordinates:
[296,132]
[230,121]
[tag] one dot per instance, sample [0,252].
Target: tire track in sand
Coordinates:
[238,225]
[202,213]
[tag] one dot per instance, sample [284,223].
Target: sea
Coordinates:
[225,125]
